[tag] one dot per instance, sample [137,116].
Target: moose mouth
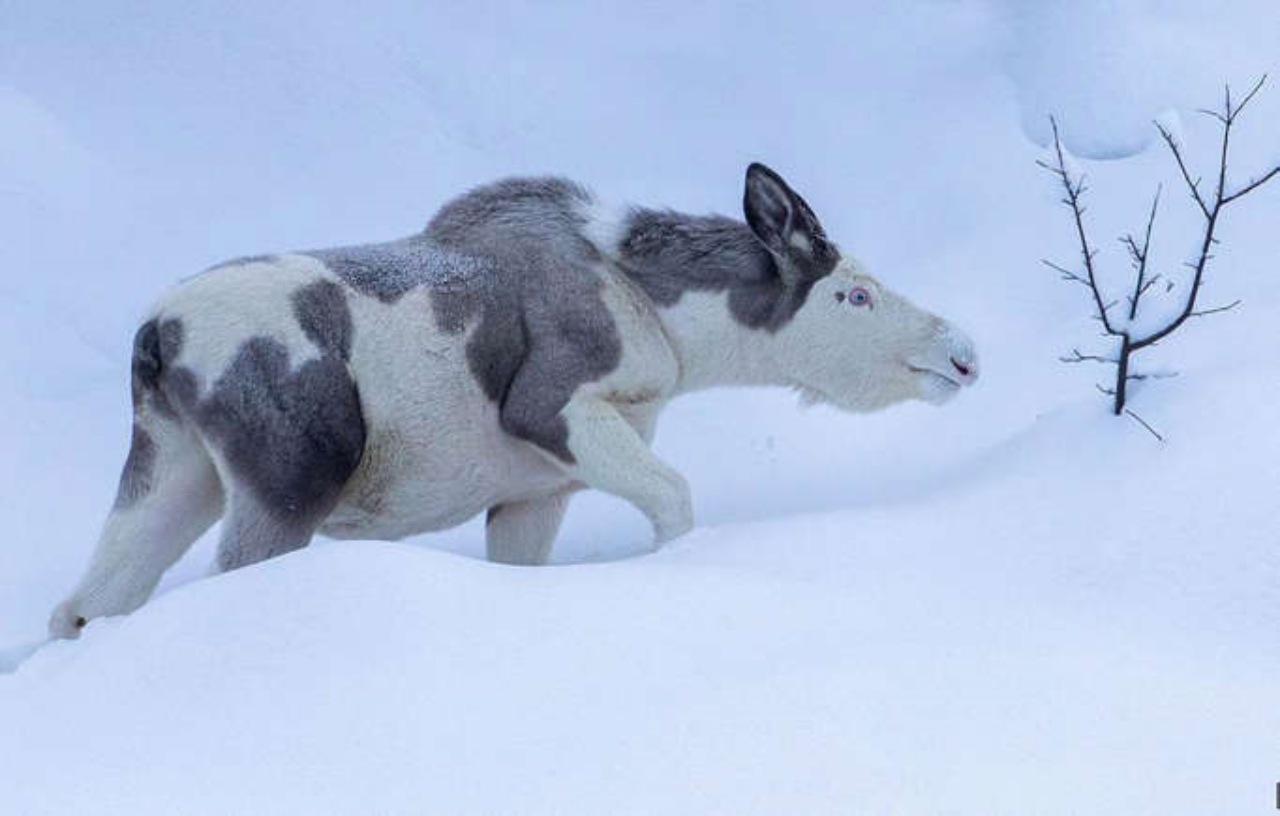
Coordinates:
[954,375]
[949,381]
[941,383]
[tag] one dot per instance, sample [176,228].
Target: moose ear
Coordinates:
[783,222]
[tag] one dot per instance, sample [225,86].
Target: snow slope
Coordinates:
[1016,604]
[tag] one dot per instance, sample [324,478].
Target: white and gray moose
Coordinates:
[518,349]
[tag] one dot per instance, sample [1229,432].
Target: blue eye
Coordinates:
[860,297]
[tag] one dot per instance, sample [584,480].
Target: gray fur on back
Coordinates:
[389,271]
[669,253]
[543,327]
[511,263]
[509,258]
[531,212]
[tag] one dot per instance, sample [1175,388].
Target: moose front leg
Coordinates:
[609,454]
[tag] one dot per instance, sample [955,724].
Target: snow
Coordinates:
[1014,604]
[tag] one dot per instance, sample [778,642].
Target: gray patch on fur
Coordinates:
[542,328]
[294,437]
[181,388]
[391,270]
[155,346]
[139,470]
[146,358]
[249,535]
[669,253]
[785,223]
[322,311]
[170,335]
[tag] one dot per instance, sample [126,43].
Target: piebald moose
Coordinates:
[518,349]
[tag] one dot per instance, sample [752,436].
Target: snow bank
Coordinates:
[1106,69]
[1023,637]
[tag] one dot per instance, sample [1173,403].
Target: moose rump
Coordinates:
[262,426]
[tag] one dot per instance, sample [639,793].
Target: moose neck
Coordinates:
[720,298]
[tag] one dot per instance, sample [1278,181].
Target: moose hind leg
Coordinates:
[169,494]
[288,440]
[252,533]
[522,532]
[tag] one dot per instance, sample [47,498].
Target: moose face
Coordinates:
[869,347]
[855,343]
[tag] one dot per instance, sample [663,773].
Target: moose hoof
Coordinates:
[65,622]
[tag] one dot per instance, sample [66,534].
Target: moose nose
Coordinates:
[968,371]
[959,350]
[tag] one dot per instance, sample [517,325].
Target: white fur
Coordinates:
[801,242]
[224,306]
[522,532]
[138,543]
[857,358]
[606,225]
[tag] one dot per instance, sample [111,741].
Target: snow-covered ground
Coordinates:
[1015,604]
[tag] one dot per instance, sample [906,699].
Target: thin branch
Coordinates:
[1252,185]
[1151,281]
[1073,192]
[1217,310]
[1103,318]
[1135,254]
[1226,146]
[1067,274]
[1140,257]
[1247,99]
[1077,357]
[1047,166]
[1186,175]
[1144,424]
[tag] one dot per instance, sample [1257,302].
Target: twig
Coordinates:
[1144,424]
[1177,155]
[1247,97]
[1217,310]
[1067,274]
[1077,357]
[1073,192]
[1140,257]
[1251,186]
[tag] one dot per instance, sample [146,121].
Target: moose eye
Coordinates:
[860,297]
